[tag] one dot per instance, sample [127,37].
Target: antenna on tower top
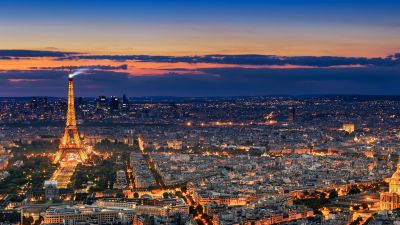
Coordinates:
[70,76]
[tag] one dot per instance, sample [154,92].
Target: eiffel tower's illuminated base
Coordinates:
[67,153]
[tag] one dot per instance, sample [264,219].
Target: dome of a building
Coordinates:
[391,200]
[394,184]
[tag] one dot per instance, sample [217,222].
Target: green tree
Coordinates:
[306,193]
[333,194]
[39,220]
[120,195]
[354,190]
[357,221]
[28,220]
[178,194]
[165,195]
[200,222]
[184,189]
[192,211]
[199,209]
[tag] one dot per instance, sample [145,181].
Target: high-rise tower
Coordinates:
[292,114]
[70,142]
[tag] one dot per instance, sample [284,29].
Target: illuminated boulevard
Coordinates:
[64,173]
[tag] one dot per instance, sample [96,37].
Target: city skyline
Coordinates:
[200,49]
[257,112]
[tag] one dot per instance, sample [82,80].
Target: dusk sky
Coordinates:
[200,48]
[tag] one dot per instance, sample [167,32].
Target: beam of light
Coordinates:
[76,73]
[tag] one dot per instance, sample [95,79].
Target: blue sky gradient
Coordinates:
[360,38]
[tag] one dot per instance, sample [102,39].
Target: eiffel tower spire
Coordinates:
[70,142]
[71,104]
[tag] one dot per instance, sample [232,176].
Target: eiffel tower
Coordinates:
[70,142]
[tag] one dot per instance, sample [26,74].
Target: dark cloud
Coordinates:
[93,67]
[34,53]
[377,76]
[30,74]
[243,59]
[213,82]
[257,60]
